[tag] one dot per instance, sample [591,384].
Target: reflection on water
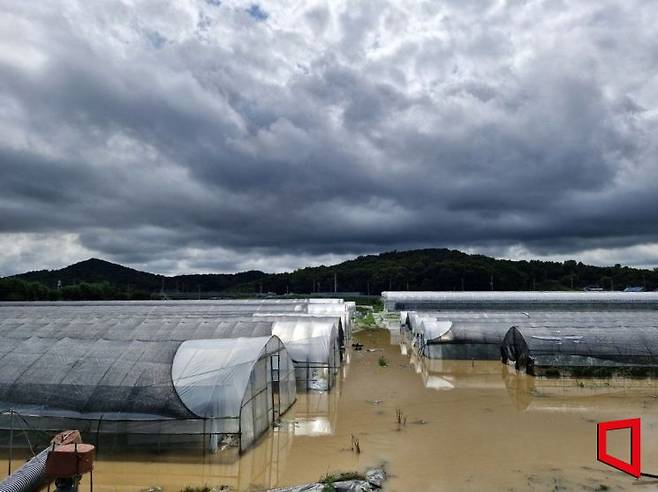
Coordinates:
[313,414]
[528,392]
[126,463]
[395,336]
[119,467]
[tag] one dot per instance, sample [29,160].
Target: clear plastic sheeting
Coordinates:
[319,318]
[397,301]
[90,379]
[318,356]
[612,348]
[314,348]
[147,386]
[131,328]
[186,308]
[445,339]
[479,335]
[230,383]
[334,309]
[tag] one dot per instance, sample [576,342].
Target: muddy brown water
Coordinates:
[469,426]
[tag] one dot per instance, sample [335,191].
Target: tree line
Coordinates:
[428,269]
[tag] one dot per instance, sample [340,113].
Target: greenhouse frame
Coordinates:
[221,389]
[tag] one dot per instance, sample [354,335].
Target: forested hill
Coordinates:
[427,269]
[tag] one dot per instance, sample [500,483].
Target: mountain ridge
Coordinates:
[421,269]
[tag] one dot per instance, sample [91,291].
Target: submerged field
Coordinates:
[462,426]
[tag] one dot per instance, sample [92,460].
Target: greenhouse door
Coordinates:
[274,375]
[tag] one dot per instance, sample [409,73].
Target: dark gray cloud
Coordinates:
[220,136]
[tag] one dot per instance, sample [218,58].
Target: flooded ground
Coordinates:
[469,426]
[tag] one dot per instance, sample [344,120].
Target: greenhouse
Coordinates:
[520,301]
[226,390]
[314,347]
[313,342]
[319,318]
[442,339]
[572,349]
[478,335]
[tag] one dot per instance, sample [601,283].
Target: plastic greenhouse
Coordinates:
[521,301]
[318,357]
[314,347]
[573,349]
[444,339]
[222,389]
[318,318]
[479,335]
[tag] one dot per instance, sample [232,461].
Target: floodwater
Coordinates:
[465,426]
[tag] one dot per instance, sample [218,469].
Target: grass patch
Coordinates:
[382,361]
[331,478]
[367,322]
[205,488]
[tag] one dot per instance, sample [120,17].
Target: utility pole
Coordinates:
[335,282]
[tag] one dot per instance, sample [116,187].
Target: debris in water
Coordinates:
[356,446]
[376,477]
[400,418]
[344,482]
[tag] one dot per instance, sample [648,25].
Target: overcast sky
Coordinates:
[217,136]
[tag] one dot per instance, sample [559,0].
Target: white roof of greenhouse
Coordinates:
[515,296]
[211,376]
[308,340]
[142,328]
[128,379]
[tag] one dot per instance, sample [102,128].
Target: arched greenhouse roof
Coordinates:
[309,340]
[211,377]
[128,327]
[573,346]
[130,379]
[409,300]
[305,317]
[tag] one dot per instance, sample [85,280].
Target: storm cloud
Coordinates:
[221,136]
